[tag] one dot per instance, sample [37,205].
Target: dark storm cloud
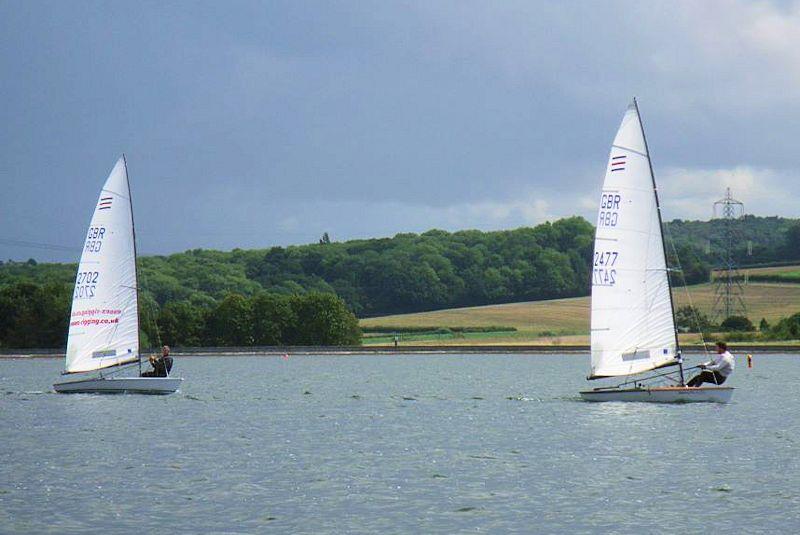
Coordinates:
[251,124]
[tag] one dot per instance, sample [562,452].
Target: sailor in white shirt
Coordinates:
[717,370]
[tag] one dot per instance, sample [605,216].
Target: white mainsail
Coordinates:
[104,323]
[633,328]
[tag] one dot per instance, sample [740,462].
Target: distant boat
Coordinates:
[104,323]
[633,325]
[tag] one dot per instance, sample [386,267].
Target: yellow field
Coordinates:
[567,320]
[571,315]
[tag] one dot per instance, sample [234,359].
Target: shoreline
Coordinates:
[270,351]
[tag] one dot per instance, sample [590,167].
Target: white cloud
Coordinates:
[483,214]
[734,55]
[306,221]
[691,193]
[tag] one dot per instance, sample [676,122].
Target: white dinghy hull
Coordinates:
[669,394]
[121,385]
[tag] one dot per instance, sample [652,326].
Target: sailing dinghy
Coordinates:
[104,323]
[633,326]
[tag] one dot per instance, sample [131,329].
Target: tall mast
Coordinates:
[135,263]
[663,245]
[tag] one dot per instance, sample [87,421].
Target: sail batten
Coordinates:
[104,321]
[633,329]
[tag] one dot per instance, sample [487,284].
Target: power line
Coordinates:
[728,291]
[39,245]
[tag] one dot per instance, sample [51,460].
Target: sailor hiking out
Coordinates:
[717,370]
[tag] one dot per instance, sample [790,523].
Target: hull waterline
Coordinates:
[715,394]
[121,385]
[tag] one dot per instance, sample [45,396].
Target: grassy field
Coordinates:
[790,274]
[771,270]
[566,321]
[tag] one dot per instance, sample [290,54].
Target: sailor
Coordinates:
[717,370]
[161,365]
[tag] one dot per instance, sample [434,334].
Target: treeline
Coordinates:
[436,269]
[433,270]
[36,316]
[737,328]
[701,245]
[406,273]
[263,319]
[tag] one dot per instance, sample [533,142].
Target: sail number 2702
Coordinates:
[603,271]
[85,284]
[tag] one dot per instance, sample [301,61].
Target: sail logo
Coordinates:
[104,353]
[618,163]
[636,354]
[105,203]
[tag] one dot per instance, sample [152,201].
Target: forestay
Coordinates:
[633,328]
[104,324]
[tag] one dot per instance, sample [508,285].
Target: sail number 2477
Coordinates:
[603,271]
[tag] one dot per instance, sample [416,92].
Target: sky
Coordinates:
[254,124]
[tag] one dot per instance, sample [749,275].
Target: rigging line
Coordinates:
[119,368]
[695,312]
[151,312]
[651,377]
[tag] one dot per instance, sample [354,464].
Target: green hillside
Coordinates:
[430,271]
[407,273]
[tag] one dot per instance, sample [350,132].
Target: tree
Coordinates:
[229,322]
[737,323]
[787,328]
[763,326]
[323,319]
[33,315]
[273,319]
[693,269]
[54,301]
[691,320]
[182,324]
[792,240]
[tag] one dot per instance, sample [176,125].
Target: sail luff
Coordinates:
[660,219]
[135,261]
[663,244]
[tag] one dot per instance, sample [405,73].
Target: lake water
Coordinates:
[396,444]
